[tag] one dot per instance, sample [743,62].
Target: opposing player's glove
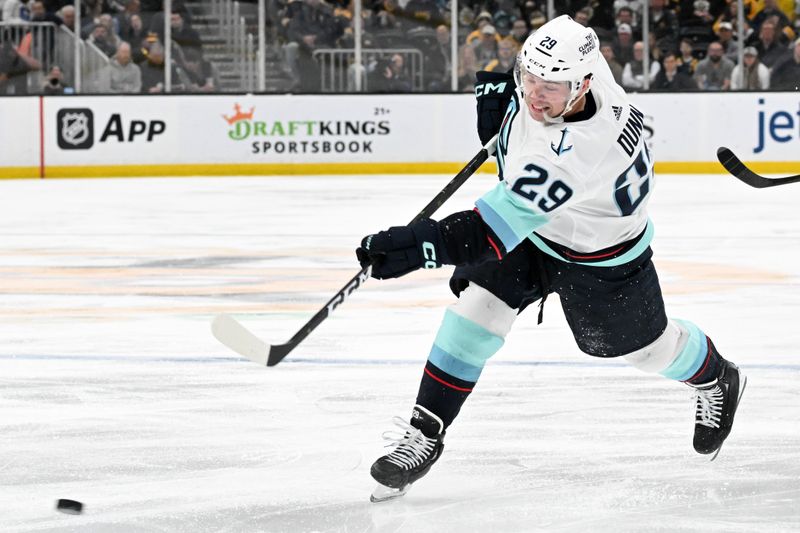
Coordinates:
[403,249]
[493,91]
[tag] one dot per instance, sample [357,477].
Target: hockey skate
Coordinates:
[715,407]
[415,450]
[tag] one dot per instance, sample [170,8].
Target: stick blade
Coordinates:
[739,170]
[238,338]
[724,153]
[735,166]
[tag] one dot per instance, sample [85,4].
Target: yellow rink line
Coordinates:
[234,307]
[185,308]
[294,169]
[17,274]
[148,253]
[296,296]
[279,278]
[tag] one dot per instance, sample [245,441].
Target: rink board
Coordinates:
[101,136]
[20,139]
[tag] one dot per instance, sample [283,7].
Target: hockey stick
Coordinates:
[239,339]
[735,166]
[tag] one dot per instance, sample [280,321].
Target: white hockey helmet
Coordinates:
[560,51]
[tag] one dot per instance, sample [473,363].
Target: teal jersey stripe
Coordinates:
[691,357]
[628,256]
[503,231]
[509,217]
[465,340]
[453,365]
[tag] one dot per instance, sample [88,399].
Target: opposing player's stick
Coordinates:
[239,339]
[735,166]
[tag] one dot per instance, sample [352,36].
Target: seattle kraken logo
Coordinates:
[561,148]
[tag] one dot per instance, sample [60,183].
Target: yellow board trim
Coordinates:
[702,167]
[19,172]
[259,169]
[293,169]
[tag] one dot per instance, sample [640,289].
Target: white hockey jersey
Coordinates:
[578,190]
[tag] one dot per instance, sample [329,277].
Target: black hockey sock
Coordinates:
[710,368]
[442,394]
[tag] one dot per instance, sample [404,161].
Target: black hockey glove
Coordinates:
[493,91]
[402,249]
[458,239]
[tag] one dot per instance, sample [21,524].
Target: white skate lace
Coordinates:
[412,447]
[709,405]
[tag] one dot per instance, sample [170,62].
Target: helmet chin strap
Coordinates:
[560,118]
[574,97]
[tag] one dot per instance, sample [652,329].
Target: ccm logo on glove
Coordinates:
[489,88]
[493,91]
[429,252]
[402,249]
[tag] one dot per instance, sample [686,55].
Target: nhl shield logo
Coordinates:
[75,129]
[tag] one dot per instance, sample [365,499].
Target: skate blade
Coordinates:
[742,385]
[382,493]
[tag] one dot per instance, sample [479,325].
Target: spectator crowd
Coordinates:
[127,34]
[692,44]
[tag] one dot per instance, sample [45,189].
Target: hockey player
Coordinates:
[568,216]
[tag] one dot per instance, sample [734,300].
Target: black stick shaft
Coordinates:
[279,351]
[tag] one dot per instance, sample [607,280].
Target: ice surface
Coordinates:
[114,393]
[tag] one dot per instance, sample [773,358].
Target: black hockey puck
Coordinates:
[69,506]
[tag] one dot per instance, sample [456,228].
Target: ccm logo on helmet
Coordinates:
[588,46]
